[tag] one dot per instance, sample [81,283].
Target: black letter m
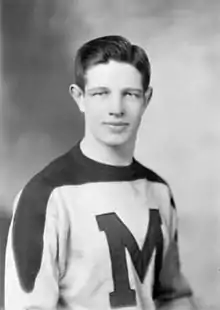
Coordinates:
[119,237]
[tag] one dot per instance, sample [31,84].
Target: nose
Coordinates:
[116,107]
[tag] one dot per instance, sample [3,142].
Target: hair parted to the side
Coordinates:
[103,49]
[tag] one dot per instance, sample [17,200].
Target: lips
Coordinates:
[116,127]
[117,124]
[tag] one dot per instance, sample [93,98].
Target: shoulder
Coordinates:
[63,170]
[42,184]
[151,175]
[155,182]
[160,191]
[32,202]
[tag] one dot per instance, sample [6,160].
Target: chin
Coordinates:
[115,141]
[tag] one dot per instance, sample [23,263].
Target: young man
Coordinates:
[96,229]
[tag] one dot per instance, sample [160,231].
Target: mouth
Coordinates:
[116,127]
[116,124]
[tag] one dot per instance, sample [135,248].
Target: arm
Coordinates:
[31,266]
[172,291]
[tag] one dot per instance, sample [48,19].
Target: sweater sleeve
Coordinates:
[31,265]
[171,289]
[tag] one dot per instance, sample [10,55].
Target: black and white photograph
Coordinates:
[109,155]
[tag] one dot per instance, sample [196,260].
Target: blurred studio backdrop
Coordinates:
[180,134]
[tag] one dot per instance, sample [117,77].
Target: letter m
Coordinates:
[119,237]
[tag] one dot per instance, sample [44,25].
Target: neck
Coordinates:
[107,154]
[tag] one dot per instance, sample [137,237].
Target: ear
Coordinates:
[147,96]
[78,95]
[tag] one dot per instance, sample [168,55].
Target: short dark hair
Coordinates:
[103,49]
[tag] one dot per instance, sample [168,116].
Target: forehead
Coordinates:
[113,74]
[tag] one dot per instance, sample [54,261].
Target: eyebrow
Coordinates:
[131,89]
[101,88]
[98,88]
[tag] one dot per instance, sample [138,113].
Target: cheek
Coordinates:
[135,113]
[93,115]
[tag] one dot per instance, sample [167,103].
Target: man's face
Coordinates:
[113,103]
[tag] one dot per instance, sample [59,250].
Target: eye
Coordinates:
[100,93]
[132,95]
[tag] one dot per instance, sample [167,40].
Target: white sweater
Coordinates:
[90,236]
